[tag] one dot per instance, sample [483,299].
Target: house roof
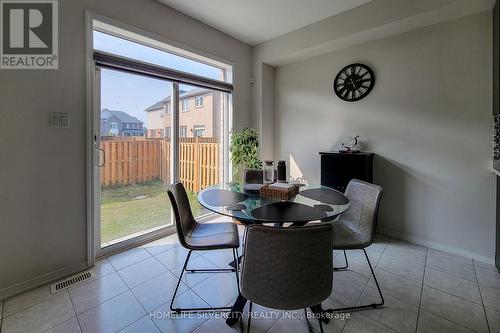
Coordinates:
[122,116]
[182,94]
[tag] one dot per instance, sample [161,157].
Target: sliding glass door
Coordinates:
[135,166]
[201,140]
[158,118]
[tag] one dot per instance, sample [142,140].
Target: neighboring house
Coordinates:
[199,115]
[119,123]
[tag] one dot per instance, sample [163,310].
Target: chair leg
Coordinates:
[309,324]
[236,269]
[249,317]
[210,270]
[320,325]
[373,305]
[179,282]
[184,269]
[346,263]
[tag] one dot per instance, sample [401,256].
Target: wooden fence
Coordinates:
[136,161]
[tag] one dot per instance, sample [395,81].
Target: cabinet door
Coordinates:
[338,169]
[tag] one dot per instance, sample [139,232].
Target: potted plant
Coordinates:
[244,150]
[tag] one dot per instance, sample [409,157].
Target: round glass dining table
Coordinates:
[314,202]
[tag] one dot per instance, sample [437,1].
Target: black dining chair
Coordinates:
[287,268]
[252,176]
[355,228]
[196,236]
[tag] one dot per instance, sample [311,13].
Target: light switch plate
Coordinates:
[59,120]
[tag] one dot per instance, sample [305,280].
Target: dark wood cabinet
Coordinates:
[337,169]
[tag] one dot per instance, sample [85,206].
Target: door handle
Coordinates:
[103,157]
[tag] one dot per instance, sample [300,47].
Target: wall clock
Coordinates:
[354,82]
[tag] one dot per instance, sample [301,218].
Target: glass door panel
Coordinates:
[135,148]
[202,138]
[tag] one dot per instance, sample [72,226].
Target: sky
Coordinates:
[133,93]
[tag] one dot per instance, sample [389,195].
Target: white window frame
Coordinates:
[185,105]
[100,22]
[199,128]
[196,99]
[183,131]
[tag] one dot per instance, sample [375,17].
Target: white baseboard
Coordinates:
[437,246]
[42,280]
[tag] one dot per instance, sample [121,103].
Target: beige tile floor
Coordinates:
[425,291]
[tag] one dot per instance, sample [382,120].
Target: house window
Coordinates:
[185,105]
[182,132]
[198,130]
[127,126]
[198,101]
[168,132]
[114,126]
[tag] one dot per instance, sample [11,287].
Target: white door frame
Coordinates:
[93,187]
[93,136]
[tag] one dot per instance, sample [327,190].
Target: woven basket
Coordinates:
[283,194]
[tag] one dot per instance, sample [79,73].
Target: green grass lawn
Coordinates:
[129,209]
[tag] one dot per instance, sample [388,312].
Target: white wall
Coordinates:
[428,120]
[42,178]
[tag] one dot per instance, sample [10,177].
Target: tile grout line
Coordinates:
[481,295]
[129,289]
[451,321]
[173,247]
[428,310]
[447,319]
[60,292]
[455,275]
[378,322]
[374,267]
[381,253]
[2,320]
[131,263]
[447,293]
[361,314]
[270,328]
[187,286]
[444,292]
[56,294]
[421,290]
[74,309]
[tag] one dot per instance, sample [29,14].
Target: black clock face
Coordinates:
[354,82]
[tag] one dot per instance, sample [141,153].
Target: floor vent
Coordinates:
[71,281]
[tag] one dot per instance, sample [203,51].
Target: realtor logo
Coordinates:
[29,34]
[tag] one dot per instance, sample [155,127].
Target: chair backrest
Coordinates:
[363,210]
[256,176]
[287,268]
[253,176]
[184,220]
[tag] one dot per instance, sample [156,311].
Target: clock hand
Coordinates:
[364,80]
